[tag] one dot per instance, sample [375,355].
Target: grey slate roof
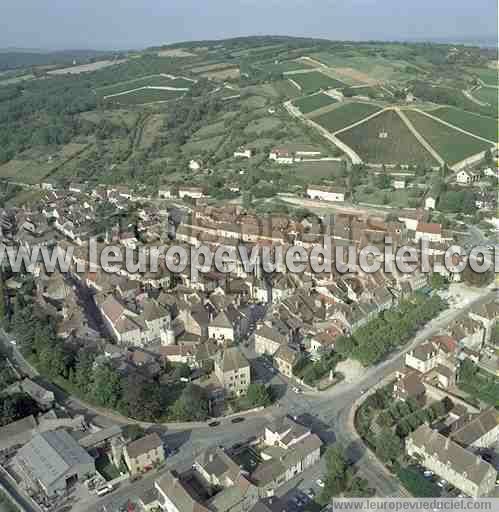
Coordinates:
[49,455]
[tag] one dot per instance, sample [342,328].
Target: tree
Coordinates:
[106,386]
[259,395]
[388,446]
[338,473]
[192,405]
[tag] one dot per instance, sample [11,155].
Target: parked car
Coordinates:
[237,420]
[214,424]
[319,482]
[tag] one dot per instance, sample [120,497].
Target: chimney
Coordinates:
[210,457]
[447,443]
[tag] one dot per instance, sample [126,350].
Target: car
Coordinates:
[13,342]
[237,420]
[214,424]
[310,493]
[319,482]
[427,474]
[442,483]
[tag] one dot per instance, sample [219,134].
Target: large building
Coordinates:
[53,462]
[450,461]
[233,371]
[481,432]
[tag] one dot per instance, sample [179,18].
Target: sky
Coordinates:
[134,24]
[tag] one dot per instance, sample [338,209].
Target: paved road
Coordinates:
[328,413]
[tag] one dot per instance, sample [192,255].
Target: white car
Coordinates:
[319,482]
[442,483]
[428,474]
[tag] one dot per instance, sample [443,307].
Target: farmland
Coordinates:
[283,67]
[144,96]
[146,81]
[316,172]
[474,123]
[453,146]
[486,75]
[488,95]
[345,115]
[315,80]
[399,145]
[314,102]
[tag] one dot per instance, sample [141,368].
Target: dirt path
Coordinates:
[419,137]
[363,120]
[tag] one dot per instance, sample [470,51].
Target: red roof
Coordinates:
[432,228]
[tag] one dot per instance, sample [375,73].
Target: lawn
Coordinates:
[453,146]
[314,102]
[315,80]
[474,123]
[417,484]
[345,115]
[399,146]
[143,96]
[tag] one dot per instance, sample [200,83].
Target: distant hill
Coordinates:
[22,58]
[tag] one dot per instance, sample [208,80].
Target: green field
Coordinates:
[400,145]
[453,146]
[263,124]
[487,75]
[153,80]
[143,96]
[32,166]
[283,67]
[345,115]
[285,89]
[314,102]
[375,67]
[474,123]
[315,80]
[315,172]
[488,95]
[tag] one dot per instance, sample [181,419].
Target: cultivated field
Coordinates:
[285,89]
[144,96]
[479,125]
[175,52]
[145,81]
[283,67]
[315,172]
[315,80]
[345,115]
[452,146]
[86,68]
[486,75]
[223,74]
[385,139]
[488,95]
[314,102]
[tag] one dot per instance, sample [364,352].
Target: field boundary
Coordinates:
[363,120]
[433,152]
[155,87]
[449,125]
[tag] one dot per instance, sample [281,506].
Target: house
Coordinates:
[398,184]
[224,326]
[285,360]
[408,385]
[331,194]
[144,453]
[282,156]
[430,203]
[450,461]
[44,398]
[467,177]
[268,340]
[431,232]
[423,358]
[175,496]
[243,152]
[194,165]
[233,371]
[53,462]
[166,193]
[288,450]
[481,432]
[192,192]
